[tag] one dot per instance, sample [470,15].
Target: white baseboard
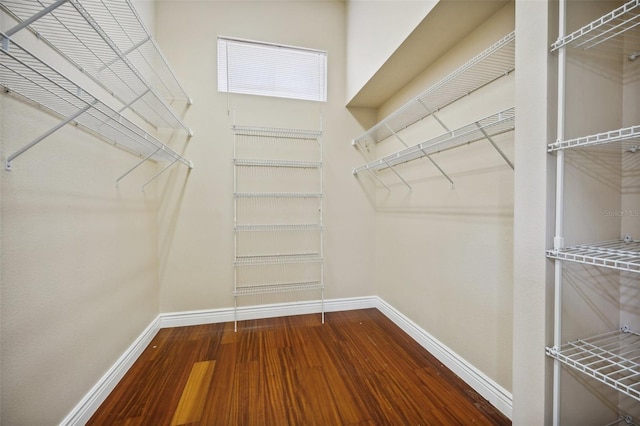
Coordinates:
[490,390]
[179,319]
[486,387]
[96,396]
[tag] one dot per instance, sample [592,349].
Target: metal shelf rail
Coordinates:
[618,254]
[612,358]
[486,128]
[607,31]
[496,61]
[628,138]
[286,266]
[23,74]
[108,42]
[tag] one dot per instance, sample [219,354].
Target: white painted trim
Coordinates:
[494,393]
[179,319]
[83,411]
[498,396]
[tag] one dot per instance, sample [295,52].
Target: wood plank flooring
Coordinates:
[357,369]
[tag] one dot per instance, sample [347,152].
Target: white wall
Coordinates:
[79,262]
[375,29]
[444,256]
[196,219]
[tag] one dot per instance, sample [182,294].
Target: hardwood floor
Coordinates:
[357,369]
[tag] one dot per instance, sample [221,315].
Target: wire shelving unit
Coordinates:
[484,129]
[612,358]
[496,61]
[278,227]
[23,74]
[108,42]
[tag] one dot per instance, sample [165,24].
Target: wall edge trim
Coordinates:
[88,405]
[498,396]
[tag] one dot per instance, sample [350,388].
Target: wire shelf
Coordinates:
[628,138]
[279,227]
[495,62]
[617,254]
[23,74]
[277,259]
[278,163]
[247,290]
[277,194]
[619,28]
[493,125]
[611,358]
[278,133]
[108,42]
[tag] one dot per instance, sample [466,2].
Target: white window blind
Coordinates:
[265,69]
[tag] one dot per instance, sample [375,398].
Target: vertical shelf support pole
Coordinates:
[558,240]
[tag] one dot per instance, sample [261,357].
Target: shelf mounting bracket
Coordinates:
[35,17]
[439,168]
[159,173]
[497,148]
[399,177]
[396,135]
[137,165]
[433,114]
[48,133]
[378,179]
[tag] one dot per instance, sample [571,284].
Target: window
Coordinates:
[266,69]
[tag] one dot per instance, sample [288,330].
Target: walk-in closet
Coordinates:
[319,212]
